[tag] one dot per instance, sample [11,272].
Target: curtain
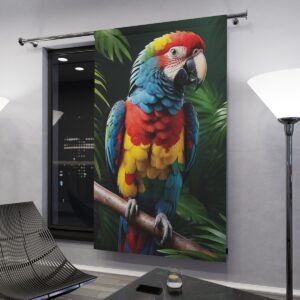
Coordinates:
[160,138]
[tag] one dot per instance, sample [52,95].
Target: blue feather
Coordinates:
[150,86]
[191,134]
[114,124]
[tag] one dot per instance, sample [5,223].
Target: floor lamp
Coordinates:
[280,91]
[3,102]
[56,115]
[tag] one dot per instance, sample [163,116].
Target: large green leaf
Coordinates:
[112,44]
[189,207]
[215,232]
[173,253]
[107,222]
[210,163]
[211,107]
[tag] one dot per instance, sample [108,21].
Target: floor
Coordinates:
[106,284]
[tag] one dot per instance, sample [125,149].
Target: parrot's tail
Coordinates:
[133,240]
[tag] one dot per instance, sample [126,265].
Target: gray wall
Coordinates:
[269,40]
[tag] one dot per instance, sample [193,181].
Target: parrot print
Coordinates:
[152,135]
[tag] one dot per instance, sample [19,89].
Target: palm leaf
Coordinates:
[223,217]
[173,253]
[190,208]
[210,238]
[107,222]
[112,44]
[212,114]
[215,232]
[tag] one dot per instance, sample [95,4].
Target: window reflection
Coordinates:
[72,170]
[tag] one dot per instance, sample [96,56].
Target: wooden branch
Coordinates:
[146,222]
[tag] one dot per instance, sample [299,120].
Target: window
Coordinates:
[71,142]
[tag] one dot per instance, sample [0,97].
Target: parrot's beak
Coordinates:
[197,68]
[193,71]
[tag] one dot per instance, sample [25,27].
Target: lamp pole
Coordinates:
[289,129]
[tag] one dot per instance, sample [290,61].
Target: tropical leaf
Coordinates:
[107,222]
[173,253]
[212,114]
[214,247]
[186,228]
[189,207]
[212,224]
[213,236]
[112,44]
[210,238]
[210,163]
[223,217]
[207,233]
[213,231]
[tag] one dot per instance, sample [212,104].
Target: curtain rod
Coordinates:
[34,41]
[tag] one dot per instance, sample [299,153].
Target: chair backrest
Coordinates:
[30,260]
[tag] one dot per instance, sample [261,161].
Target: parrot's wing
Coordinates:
[191,136]
[114,136]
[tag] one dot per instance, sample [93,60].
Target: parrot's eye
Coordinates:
[177,52]
[173,51]
[197,51]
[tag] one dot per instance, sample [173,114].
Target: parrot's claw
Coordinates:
[132,209]
[161,221]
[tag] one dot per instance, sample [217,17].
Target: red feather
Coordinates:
[129,178]
[158,127]
[190,40]
[135,239]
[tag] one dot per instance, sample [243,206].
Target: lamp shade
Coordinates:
[280,91]
[3,102]
[56,115]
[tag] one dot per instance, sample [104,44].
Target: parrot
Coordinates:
[152,135]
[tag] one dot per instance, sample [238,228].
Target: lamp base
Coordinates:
[289,129]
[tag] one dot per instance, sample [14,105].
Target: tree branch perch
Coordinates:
[146,222]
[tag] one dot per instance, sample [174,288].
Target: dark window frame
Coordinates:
[59,231]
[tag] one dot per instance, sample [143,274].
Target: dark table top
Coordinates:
[192,289]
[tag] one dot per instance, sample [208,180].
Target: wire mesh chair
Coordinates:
[31,264]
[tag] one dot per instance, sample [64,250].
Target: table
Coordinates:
[193,289]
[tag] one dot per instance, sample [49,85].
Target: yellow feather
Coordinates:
[129,162]
[136,161]
[167,154]
[152,173]
[125,189]
[127,142]
[169,160]
[138,153]
[142,165]
[121,175]
[145,146]
[129,190]
[141,188]
[160,164]
[143,174]
[181,158]
[156,150]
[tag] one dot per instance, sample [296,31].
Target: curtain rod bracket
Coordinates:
[34,41]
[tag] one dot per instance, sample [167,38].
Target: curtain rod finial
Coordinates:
[21,42]
[235,21]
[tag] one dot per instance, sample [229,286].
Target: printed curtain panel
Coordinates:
[160,139]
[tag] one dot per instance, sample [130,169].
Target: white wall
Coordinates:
[269,40]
